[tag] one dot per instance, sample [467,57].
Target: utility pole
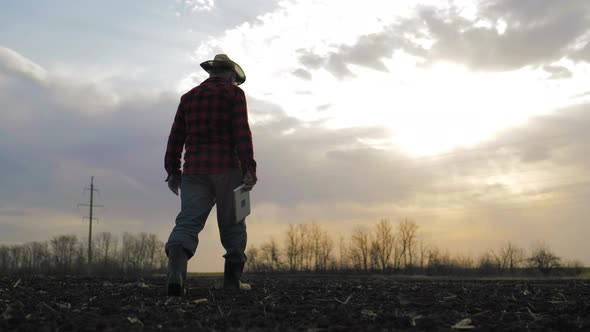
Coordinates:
[90,218]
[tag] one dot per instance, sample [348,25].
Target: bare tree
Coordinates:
[407,233]
[440,262]
[433,256]
[343,251]
[326,245]
[384,243]
[293,248]
[488,263]
[252,264]
[304,251]
[511,256]
[498,262]
[39,255]
[271,255]
[373,256]
[355,257]
[29,257]
[106,246]
[139,251]
[25,259]
[127,248]
[64,251]
[397,254]
[5,261]
[543,259]
[80,259]
[360,245]
[152,248]
[316,237]
[463,261]
[17,257]
[423,253]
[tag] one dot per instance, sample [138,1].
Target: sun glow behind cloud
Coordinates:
[434,109]
[430,108]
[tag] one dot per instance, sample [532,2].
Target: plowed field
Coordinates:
[295,303]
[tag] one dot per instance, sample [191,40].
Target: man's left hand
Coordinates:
[249,181]
[174,181]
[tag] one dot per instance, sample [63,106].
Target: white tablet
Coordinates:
[241,203]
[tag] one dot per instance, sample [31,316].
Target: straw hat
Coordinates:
[223,61]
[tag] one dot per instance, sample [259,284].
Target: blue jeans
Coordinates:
[198,194]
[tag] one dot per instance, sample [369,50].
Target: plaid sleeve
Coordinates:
[242,134]
[175,143]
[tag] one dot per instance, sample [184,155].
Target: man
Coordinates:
[211,123]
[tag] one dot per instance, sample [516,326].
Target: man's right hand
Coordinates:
[248,181]
[174,183]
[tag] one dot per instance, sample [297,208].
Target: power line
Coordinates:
[90,218]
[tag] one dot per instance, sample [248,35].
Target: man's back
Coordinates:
[212,122]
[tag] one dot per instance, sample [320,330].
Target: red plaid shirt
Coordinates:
[211,123]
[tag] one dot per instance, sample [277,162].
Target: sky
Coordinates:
[468,117]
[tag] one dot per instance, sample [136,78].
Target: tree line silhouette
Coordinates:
[141,253]
[395,248]
[388,248]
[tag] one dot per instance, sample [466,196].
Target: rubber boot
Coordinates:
[176,277]
[231,276]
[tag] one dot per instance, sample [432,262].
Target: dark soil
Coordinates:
[288,303]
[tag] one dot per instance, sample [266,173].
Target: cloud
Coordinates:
[501,36]
[57,134]
[536,32]
[289,32]
[302,73]
[368,51]
[326,161]
[310,60]
[300,162]
[396,68]
[49,157]
[558,72]
[584,54]
[334,166]
[560,137]
[530,13]
[200,5]
[12,63]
